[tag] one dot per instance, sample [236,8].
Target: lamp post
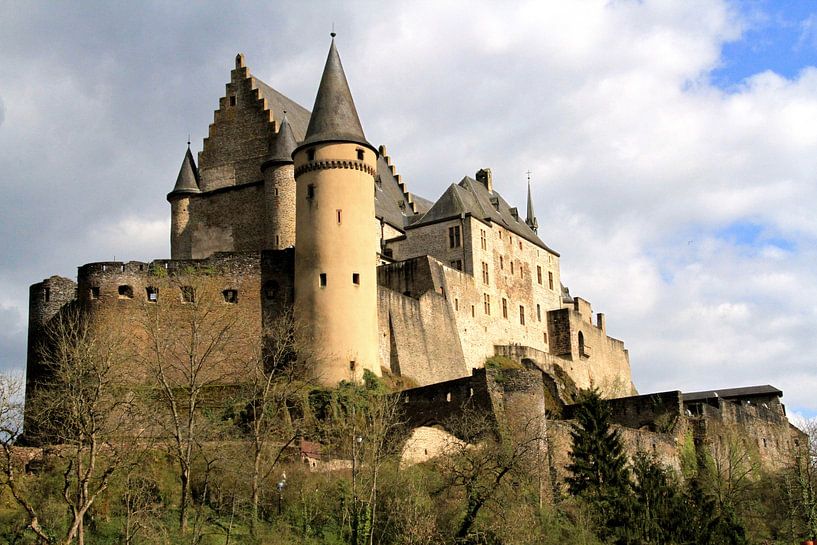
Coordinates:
[280,486]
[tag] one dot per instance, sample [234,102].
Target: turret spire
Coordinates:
[284,144]
[334,116]
[530,220]
[188,179]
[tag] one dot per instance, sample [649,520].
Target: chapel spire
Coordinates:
[334,116]
[530,220]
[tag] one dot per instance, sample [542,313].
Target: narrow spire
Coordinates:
[188,179]
[284,145]
[530,220]
[334,116]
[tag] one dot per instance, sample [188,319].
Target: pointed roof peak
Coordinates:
[334,116]
[188,178]
[530,218]
[283,146]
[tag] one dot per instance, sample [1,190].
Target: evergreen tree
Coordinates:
[598,468]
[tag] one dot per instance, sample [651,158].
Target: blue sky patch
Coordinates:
[780,35]
[753,235]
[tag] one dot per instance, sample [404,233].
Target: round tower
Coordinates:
[187,184]
[279,190]
[335,250]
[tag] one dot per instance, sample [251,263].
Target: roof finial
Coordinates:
[188,140]
[530,220]
[333,33]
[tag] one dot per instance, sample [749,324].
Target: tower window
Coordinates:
[188,294]
[323,280]
[230,296]
[550,280]
[501,263]
[485,277]
[232,100]
[454,237]
[359,154]
[520,244]
[339,214]
[473,312]
[275,191]
[582,347]
[504,308]
[356,279]
[310,155]
[125,292]
[521,314]
[545,335]
[352,365]
[456,304]
[152,294]
[310,191]
[511,266]
[47,294]
[94,292]
[277,240]
[539,274]
[486,303]
[483,240]
[538,313]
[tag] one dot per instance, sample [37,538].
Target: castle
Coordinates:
[292,208]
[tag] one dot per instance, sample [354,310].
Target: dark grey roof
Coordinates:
[470,197]
[188,178]
[284,144]
[391,203]
[297,115]
[334,116]
[749,391]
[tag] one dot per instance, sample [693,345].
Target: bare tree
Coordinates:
[197,341]
[800,480]
[484,455]
[277,378]
[83,409]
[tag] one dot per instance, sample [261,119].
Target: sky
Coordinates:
[672,146]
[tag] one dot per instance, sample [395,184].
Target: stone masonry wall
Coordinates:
[227,220]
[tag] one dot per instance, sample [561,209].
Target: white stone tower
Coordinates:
[336,239]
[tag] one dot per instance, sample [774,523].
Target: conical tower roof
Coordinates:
[283,146]
[334,116]
[188,179]
[530,216]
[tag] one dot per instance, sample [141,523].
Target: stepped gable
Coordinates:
[471,197]
[188,178]
[334,116]
[278,103]
[393,202]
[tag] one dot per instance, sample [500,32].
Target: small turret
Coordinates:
[279,189]
[530,220]
[187,184]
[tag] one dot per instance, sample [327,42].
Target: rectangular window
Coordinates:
[486,302]
[356,279]
[456,304]
[152,294]
[550,280]
[539,274]
[47,295]
[473,312]
[538,313]
[360,154]
[485,278]
[520,244]
[277,240]
[501,264]
[125,292]
[232,101]
[511,266]
[504,308]
[310,191]
[338,212]
[521,315]
[323,280]
[483,239]
[454,237]
[94,292]
[457,264]
[352,365]
[230,296]
[545,336]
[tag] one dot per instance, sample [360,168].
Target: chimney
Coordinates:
[485,178]
[600,323]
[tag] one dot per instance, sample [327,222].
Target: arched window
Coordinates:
[581,344]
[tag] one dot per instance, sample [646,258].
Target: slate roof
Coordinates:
[297,115]
[334,116]
[389,201]
[728,393]
[284,145]
[471,197]
[188,178]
